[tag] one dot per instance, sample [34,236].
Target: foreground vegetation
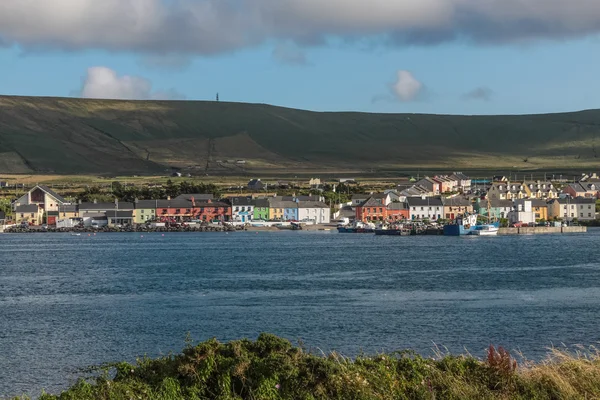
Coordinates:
[271,368]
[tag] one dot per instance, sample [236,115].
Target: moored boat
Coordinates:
[486,230]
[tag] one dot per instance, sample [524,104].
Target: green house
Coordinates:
[261,210]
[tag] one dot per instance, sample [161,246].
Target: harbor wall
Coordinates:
[542,230]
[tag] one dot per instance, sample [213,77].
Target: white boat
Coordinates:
[485,230]
[75,234]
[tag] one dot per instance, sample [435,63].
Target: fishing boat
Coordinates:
[393,230]
[357,227]
[75,234]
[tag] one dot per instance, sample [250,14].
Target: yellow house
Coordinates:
[30,213]
[275,212]
[540,209]
[145,210]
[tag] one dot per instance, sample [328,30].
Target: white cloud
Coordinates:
[105,83]
[214,26]
[406,87]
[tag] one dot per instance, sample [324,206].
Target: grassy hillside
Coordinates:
[77,136]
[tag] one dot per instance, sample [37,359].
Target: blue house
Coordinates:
[290,211]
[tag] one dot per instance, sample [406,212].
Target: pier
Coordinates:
[542,230]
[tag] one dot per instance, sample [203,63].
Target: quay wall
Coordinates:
[542,230]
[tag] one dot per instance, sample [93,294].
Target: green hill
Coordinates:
[77,136]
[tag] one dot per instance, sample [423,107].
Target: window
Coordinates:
[421,208]
[589,214]
[22,216]
[164,211]
[381,210]
[589,207]
[141,211]
[178,211]
[187,211]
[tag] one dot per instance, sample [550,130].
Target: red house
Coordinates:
[397,212]
[185,210]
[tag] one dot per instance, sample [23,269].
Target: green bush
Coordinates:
[271,368]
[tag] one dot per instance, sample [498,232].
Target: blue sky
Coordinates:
[427,59]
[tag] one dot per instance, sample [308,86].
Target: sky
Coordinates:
[392,56]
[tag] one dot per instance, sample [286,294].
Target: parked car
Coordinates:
[517,224]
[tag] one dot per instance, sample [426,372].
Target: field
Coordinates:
[67,136]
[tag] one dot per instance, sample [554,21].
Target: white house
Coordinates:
[316,211]
[522,212]
[420,208]
[582,208]
[242,209]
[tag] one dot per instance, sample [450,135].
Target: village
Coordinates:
[437,200]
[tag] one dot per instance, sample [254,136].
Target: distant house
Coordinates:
[582,189]
[145,210]
[540,189]
[463,181]
[397,212]
[261,209]
[507,191]
[432,186]
[582,208]
[456,206]
[497,208]
[357,199]
[242,209]
[421,208]
[30,213]
[372,209]
[316,211]
[522,212]
[43,197]
[539,207]
[256,185]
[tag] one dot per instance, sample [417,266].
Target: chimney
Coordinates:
[193,201]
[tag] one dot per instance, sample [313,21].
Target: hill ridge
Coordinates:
[65,135]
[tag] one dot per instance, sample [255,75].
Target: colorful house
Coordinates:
[456,206]
[497,208]
[145,210]
[261,209]
[371,210]
[30,213]
[397,212]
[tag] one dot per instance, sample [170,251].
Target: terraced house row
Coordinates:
[43,205]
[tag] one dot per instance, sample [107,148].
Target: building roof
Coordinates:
[241,201]
[423,202]
[52,193]
[360,196]
[371,202]
[28,208]
[195,196]
[460,176]
[397,206]
[106,206]
[282,204]
[575,200]
[312,204]
[68,208]
[458,201]
[312,197]
[262,203]
[146,204]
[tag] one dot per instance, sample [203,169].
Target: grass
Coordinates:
[86,136]
[272,368]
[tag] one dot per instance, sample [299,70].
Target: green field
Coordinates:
[76,136]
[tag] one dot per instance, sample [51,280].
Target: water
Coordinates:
[68,302]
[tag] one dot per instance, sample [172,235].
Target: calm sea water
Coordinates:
[68,302]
